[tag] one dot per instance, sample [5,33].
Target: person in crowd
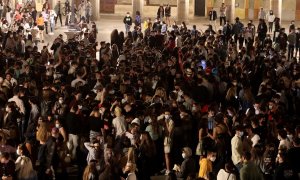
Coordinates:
[187,169]
[237,31]
[284,170]
[249,170]
[237,147]
[138,19]
[24,167]
[292,26]
[168,14]
[206,165]
[58,11]
[228,173]
[128,22]
[291,38]
[45,14]
[41,25]
[271,19]
[90,172]
[212,18]
[52,18]
[160,13]
[8,166]
[223,11]
[88,11]
[261,14]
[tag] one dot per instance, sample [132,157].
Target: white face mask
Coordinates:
[290,136]
[241,134]
[57,125]
[123,101]
[183,155]
[194,108]
[212,159]
[61,101]
[167,116]
[270,107]
[181,116]
[18,152]
[7,109]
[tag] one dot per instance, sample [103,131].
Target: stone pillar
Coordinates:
[232,14]
[229,15]
[287,9]
[137,5]
[95,10]
[182,10]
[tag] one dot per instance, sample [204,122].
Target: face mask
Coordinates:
[212,159]
[18,152]
[7,109]
[181,116]
[290,136]
[127,15]
[57,125]
[61,101]
[241,134]
[194,108]
[98,167]
[183,155]
[101,111]
[140,90]
[279,138]
[123,101]
[270,107]
[111,92]
[167,116]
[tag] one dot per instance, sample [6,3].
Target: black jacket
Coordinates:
[127,20]
[212,15]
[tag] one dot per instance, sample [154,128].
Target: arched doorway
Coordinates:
[200,7]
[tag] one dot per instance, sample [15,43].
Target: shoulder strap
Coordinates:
[228,176]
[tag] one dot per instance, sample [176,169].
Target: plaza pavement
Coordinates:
[107,23]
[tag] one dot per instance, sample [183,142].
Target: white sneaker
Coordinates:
[167,172]
[51,33]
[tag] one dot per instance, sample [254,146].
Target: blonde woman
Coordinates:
[118,122]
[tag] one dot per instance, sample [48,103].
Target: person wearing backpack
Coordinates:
[24,168]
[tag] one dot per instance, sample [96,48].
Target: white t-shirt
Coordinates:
[119,124]
[255,139]
[223,175]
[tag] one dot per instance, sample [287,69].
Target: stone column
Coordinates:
[229,11]
[95,9]
[182,10]
[137,5]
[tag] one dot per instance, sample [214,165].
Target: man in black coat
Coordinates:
[213,17]
[262,30]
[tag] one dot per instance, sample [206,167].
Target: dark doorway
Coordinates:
[199,7]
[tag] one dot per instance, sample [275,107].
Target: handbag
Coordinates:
[199,149]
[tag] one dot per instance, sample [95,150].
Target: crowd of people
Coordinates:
[159,99]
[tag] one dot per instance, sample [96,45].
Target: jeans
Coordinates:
[222,19]
[291,51]
[58,16]
[52,26]
[46,26]
[270,26]
[127,28]
[73,144]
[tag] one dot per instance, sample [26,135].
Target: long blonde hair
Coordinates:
[89,169]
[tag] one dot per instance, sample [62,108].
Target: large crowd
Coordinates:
[218,104]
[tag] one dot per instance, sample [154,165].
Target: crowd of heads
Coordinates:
[148,100]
